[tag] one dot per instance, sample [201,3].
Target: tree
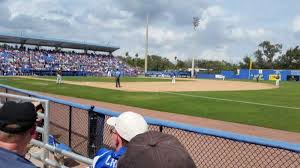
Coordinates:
[289,60]
[245,63]
[265,54]
[158,63]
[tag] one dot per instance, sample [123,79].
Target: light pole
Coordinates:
[146,47]
[196,21]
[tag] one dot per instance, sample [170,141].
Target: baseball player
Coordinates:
[59,76]
[277,80]
[118,75]
[173,78]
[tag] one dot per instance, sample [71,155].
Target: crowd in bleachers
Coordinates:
[19,61]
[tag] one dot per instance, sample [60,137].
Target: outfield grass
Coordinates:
[266,116]
[107,79]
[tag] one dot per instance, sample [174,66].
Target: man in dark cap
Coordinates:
[155,149]
[17,125]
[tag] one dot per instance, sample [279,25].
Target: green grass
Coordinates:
[106,79]
[265,116]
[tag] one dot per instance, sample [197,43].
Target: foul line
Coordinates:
[229,100]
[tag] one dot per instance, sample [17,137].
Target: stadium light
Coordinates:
[146,47]
[196,21]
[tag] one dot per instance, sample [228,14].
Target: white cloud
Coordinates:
[296,24]
[208,14]
[163,35]
[109,23]
[240,33]
[219,53]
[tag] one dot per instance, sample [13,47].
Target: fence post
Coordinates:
[6,91]
[46,130]
[70,126]
[160,128]
[95,134]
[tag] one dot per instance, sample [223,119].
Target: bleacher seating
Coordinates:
[47,62]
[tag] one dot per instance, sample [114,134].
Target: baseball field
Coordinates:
[247,102]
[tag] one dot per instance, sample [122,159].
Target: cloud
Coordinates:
[208,14]
[225,29]
[219,53]
[296,24]
[239,33]
[162,36]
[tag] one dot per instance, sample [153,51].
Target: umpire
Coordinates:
[118,75]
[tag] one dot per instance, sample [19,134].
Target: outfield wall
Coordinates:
[242,74]
[82,128]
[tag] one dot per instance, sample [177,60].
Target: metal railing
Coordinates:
[44,130]
[83,128]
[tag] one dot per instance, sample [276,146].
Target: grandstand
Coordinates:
[26,61]
[56,43]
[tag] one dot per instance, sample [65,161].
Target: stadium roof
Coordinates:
[56,43]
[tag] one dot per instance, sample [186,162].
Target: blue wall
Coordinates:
[244,74]
[228,74]
[206,76]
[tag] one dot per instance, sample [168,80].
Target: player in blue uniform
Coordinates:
[118,75]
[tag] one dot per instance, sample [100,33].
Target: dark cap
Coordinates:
[17,117]
[155,149]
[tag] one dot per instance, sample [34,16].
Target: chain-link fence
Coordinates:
[83,129]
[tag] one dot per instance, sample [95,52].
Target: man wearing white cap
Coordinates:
[124,127]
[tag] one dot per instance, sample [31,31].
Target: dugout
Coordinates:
[293,77]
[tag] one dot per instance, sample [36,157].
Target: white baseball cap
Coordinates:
[128,124]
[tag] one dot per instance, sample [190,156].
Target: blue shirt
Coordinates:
[118,74]
[107,158]
[11,159]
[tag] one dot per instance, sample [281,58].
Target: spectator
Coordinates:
[17,126]
[155,149]
[18,61]
[125,127]
[39,121]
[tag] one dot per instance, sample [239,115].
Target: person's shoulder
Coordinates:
[101,157]
[103,151]
[10,159]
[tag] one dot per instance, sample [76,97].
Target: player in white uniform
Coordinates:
[173,78]
[58,76]
[277,80]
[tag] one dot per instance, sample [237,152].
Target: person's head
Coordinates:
[155,149]
[126,126]
[38,108]
[17,125]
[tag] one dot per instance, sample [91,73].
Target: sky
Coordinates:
[228,29]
